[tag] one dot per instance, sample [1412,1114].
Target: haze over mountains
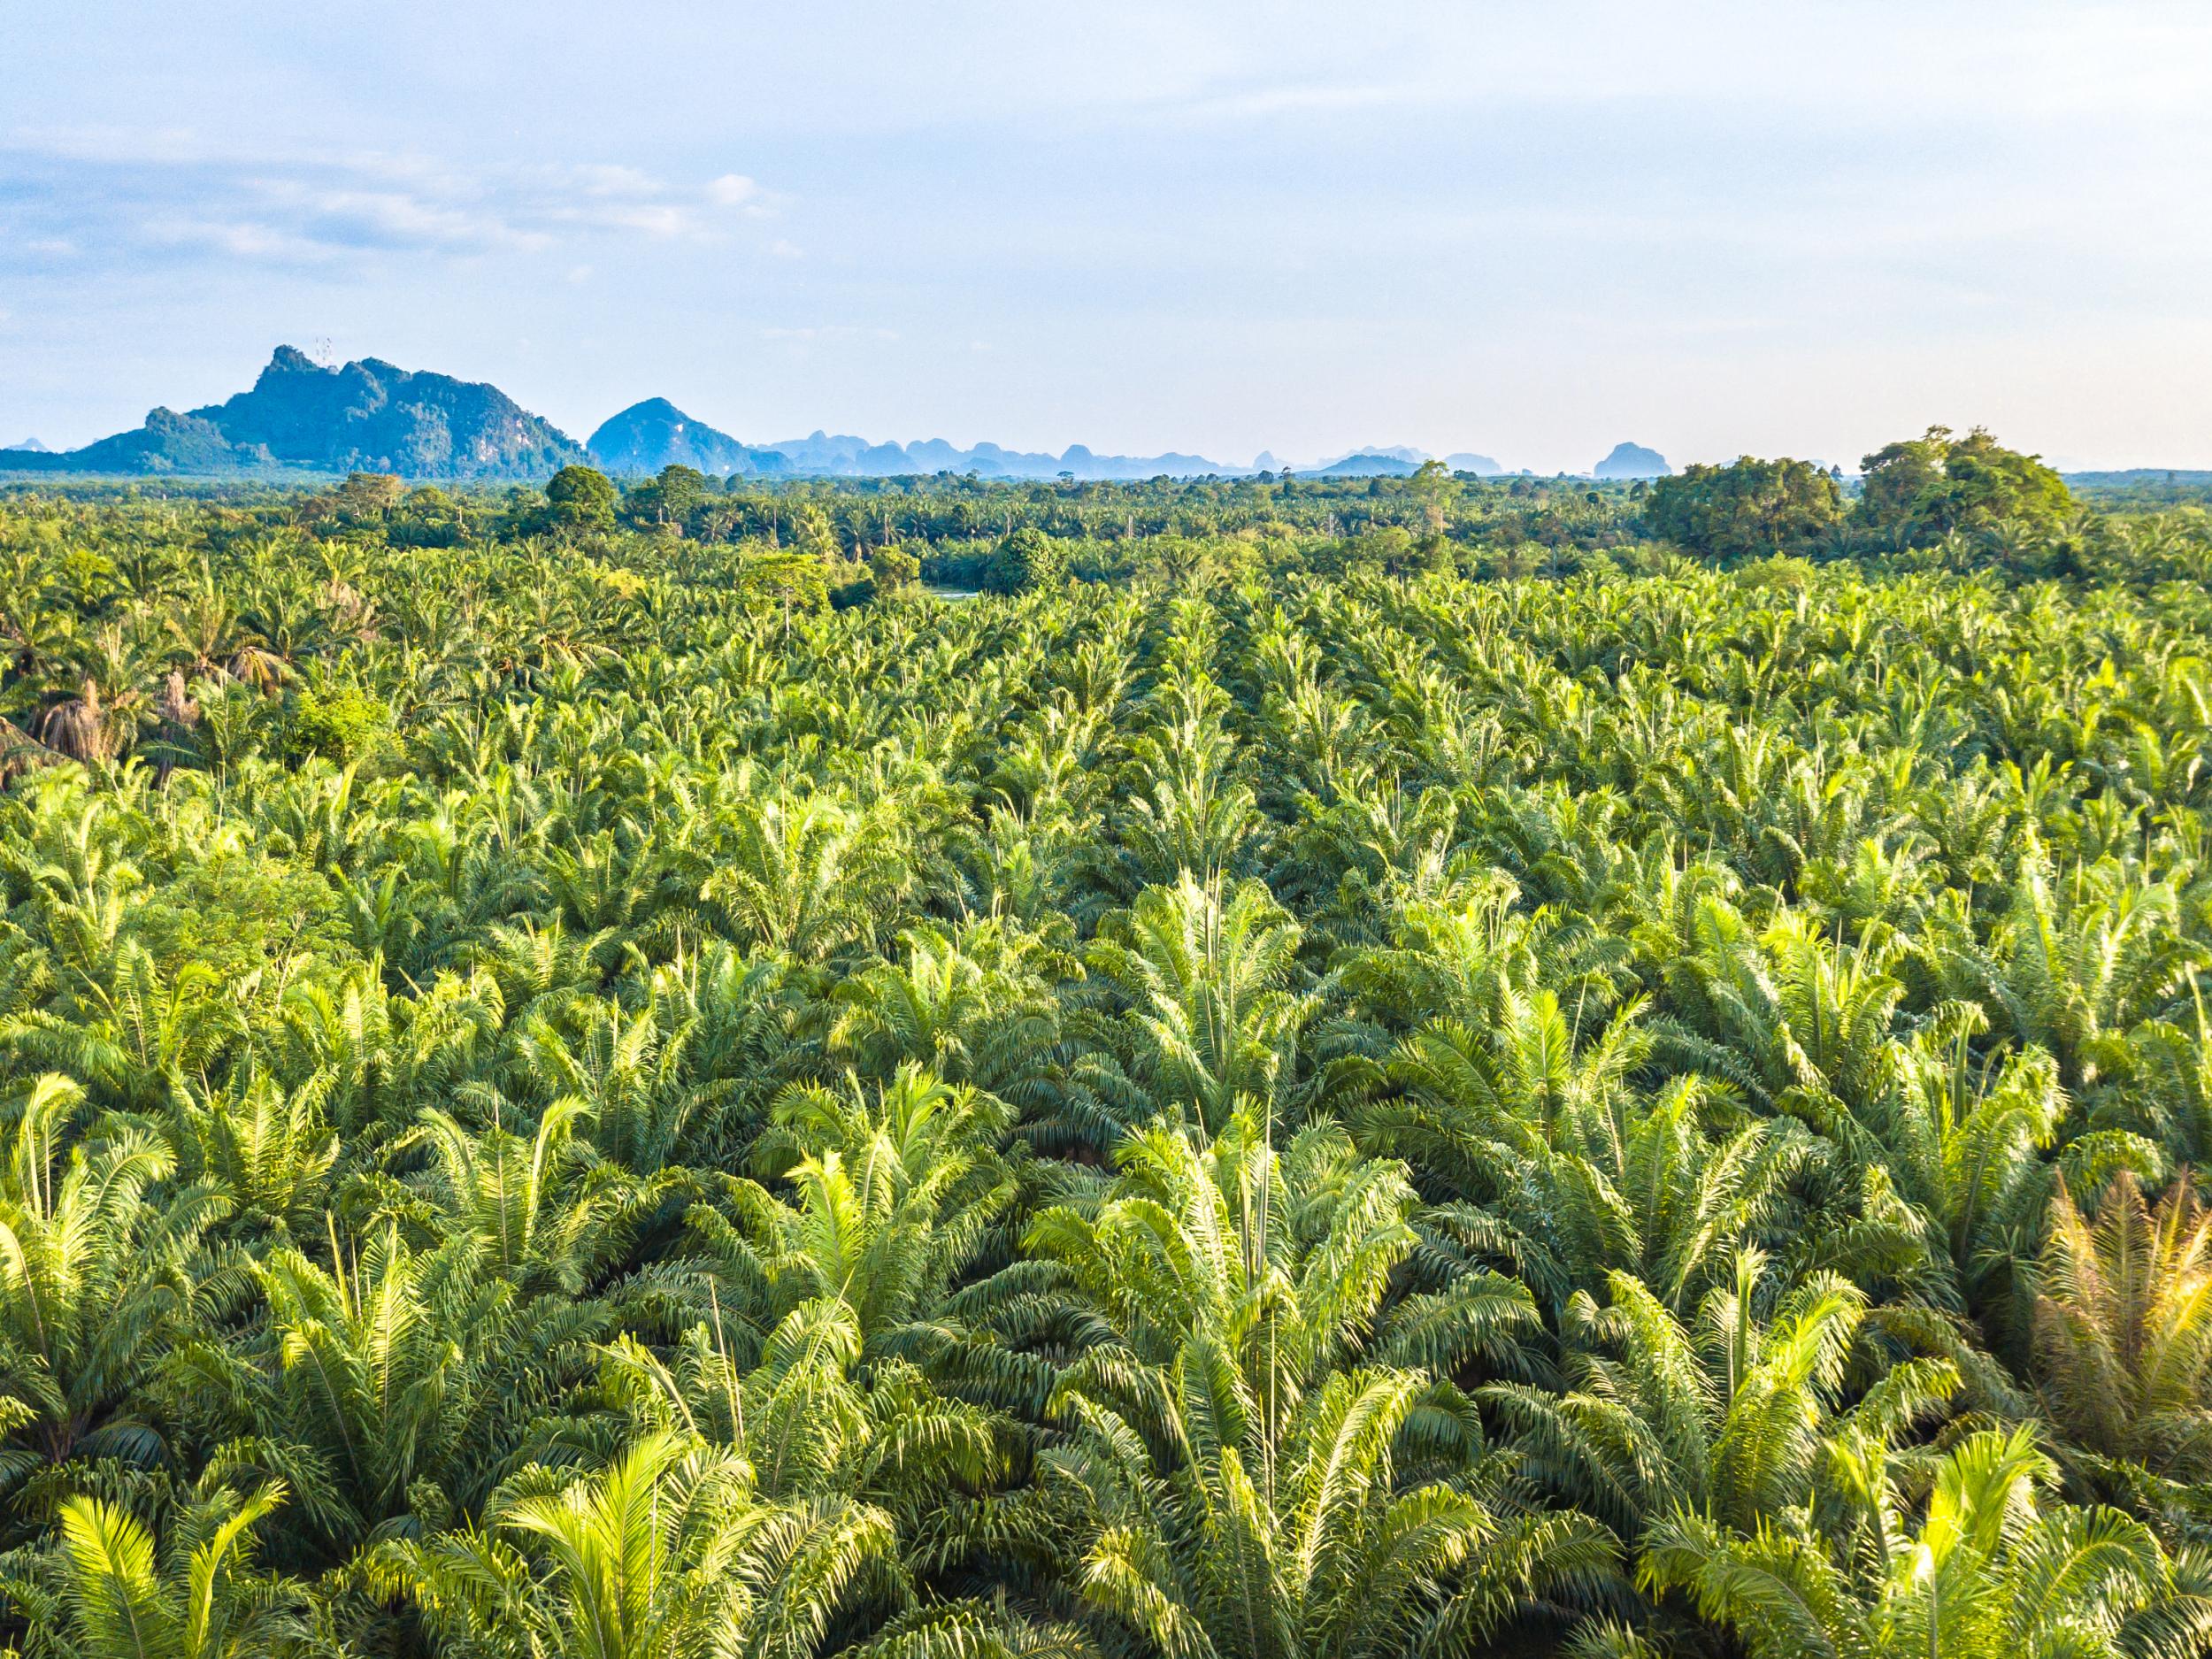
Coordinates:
[1632,460]
[648,436]
[301,416]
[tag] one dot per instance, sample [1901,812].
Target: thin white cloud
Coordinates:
[617,181]
[387,217]
[111,190]
[667,220]
[240,238]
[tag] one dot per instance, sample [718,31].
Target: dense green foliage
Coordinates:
[1415,1072]
[1926,487]
[1026,561]
[1746,510]
[1913,494]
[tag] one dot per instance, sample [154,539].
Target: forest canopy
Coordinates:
[1325,1070]
[1923,488]
[1748,508]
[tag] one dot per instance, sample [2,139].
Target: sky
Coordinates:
[1527,230]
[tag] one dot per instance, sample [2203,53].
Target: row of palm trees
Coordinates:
[1282,1117]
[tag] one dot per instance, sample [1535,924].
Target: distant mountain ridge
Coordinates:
[1363,464]
[369,416]
[372,416]
[1380,461]
[648,436]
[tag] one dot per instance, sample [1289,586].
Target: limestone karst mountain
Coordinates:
[369,416]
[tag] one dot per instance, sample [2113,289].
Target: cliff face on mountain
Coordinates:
[373,417]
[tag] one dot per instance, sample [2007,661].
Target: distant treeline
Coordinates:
[1939,501]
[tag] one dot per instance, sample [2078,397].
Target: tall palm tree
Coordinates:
[388,1389]
[270,1151]
[809,875]
[1967,1138]
[625,1074]
[2074,962]
[894,1194]
[1794,1021]
[546,1214]
[975,1007]
[1190,813]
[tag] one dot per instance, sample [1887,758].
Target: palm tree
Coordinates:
[388,1389]
[2123,1326]
[1210,981]
[37,633]
[893,1196]
[1796,1023]
[81,727]
[808,876]
[1993,1573]
[1190,814]
[1966,1139]
[97,1279]
[204,627]
[112,1592]
[667,1553]
[1543,1156]
[547,1214]
[127,1028]
[2073,962]
[974,1007]
[1247,1479]
[627,1076]
[270,1151]
[1731,1418]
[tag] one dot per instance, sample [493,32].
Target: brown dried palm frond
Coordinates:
[20,752]
[79,727]
[257,667]
[176,707]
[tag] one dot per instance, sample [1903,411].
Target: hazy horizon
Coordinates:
[1529,232]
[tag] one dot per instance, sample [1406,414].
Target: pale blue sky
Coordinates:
[1526,229]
